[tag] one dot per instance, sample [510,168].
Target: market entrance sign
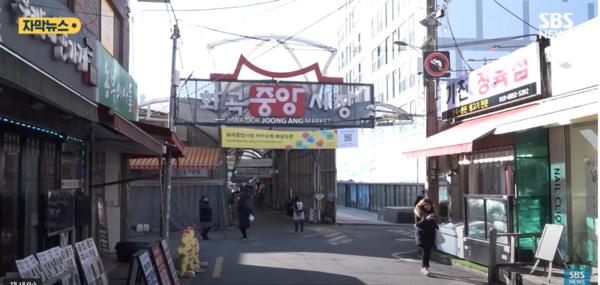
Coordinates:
[225,100]
[512,78]
[280,104]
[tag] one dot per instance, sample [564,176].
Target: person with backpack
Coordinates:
[298,214]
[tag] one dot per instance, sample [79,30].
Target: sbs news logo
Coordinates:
[49,25]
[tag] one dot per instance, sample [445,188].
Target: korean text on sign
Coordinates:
[49,25]
[277,101]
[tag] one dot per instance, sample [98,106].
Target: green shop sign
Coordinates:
[116,88]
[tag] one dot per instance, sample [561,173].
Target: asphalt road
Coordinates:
[322,254]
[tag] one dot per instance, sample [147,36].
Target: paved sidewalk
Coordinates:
[353,216]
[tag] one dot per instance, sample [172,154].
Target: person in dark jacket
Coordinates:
[244,213]
[425,230]
[205,217]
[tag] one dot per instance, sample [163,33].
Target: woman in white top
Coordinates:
[298,214]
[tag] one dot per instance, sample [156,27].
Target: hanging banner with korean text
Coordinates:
[116,88]
[275,104]
[232,137]
[511,78]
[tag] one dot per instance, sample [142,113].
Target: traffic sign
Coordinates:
[436,64]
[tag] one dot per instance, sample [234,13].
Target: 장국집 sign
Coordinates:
[509,79]
[281,104]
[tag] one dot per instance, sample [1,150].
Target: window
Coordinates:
[393,8]
[387,49]
[394,74]
[374,59]
[387,88]
[413,77]
[379,57]
[394,39]
[10,152]
[584,191]
[411,29]
[387,12]
[110,29]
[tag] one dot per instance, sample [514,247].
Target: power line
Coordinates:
[218,8]
[282,41]
[221,31]
[515,15]
[306,28]
[454,39]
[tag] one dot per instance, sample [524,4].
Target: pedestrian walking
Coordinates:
[425,230]
[298,214]
[244,214]
[205,217]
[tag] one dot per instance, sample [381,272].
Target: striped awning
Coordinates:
[195,158]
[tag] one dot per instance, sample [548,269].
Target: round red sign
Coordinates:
[437,64]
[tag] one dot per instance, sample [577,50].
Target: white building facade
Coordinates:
[367,54]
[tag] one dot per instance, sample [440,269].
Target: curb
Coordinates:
[449,262]
[368,224]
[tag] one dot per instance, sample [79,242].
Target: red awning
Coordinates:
[164,135]
[459,139]
[195,158]
[128,129]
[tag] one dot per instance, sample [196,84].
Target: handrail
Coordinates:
[493,264]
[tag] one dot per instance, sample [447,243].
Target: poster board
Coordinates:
[549,242]
[160,264]
[70,264]
[145,263]
[29,267]
[89,259]
[171,265]
[51,262]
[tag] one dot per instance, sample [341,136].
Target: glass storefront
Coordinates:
[583,171]
[532,177]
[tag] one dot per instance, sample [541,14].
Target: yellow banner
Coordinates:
[49,25]
[265,139]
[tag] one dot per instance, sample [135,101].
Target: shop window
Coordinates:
[584,192]
[532,179]
[30,167]
[10,152]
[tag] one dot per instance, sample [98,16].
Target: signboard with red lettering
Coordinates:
[512,78]
[226,100]
[275,104]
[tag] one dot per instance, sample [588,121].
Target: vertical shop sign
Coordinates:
[116,88]
[558,183]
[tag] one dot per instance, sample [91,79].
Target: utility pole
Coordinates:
[169,155]
[431,124]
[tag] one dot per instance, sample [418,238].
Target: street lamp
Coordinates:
[405,44]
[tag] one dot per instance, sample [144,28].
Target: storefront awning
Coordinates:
[195,158]
[459,139]
[164,135]
[558,110]
[115,122]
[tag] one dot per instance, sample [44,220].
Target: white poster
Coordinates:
[70,264]
[90,262]
[347,138]
[29,267]
[51,262]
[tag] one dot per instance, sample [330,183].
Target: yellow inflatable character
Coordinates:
[186,253]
